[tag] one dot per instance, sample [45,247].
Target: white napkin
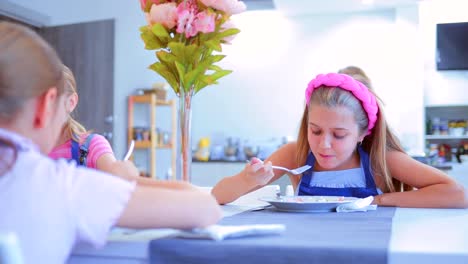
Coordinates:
[220,232]
[360,205]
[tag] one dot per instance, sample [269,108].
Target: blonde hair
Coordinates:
[376,144]
[74,128]
[29,67]
[358,74]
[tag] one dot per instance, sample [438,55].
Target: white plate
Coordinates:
[307,203]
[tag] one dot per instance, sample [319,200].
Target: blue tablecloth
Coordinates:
[361,237]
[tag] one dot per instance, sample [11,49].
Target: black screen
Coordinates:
[452,46]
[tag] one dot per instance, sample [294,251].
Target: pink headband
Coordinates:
[346,82]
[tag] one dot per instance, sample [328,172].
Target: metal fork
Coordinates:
[296,171]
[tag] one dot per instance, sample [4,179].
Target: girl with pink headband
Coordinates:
[345,139]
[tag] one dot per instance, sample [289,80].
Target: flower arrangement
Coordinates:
[186,35]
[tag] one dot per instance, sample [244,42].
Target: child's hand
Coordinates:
[258,173]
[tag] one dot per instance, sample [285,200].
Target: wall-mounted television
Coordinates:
[452,46]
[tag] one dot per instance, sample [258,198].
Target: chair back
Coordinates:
[10,252]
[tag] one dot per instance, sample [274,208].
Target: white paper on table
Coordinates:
[213,232]
[360,205]
[128,234]
[221,232]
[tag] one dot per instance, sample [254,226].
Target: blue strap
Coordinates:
[365,163]
[75,149]
[80,153]
[307,176]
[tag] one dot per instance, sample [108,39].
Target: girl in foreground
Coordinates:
[52,205]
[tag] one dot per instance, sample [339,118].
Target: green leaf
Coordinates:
[150,40]
[215,68]
[177,48]
[228,32]
[168,59]
[165,56]
[187,55]
[215,58]
[212,78]
[181,71]
[191,77]
[204,37]
[160,31]
[219,74]
[162,70]
[200,84]
[214,44]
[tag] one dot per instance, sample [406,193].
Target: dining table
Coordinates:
[386,235]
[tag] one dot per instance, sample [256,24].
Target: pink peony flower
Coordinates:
[165,14]
[204,22]
[185,20]
[143,4]
[230,7]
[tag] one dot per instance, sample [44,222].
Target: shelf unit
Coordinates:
[446,112]
[446,137]
[152,144]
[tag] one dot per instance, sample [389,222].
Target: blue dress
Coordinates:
[357,182]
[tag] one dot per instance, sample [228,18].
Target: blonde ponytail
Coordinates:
[73,127]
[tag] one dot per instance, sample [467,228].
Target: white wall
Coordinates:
[275,57]
[442,87]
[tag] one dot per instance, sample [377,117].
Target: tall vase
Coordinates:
[184,137]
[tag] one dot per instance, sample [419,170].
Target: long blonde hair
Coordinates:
[376,144]
[73,128]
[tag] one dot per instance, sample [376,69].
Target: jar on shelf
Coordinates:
[138,133]
[435,126]
[444,127]
[146,134]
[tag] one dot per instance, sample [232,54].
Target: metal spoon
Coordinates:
[296,171]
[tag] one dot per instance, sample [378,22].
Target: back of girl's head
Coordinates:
[353,70]
[358,74]
[28,68]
